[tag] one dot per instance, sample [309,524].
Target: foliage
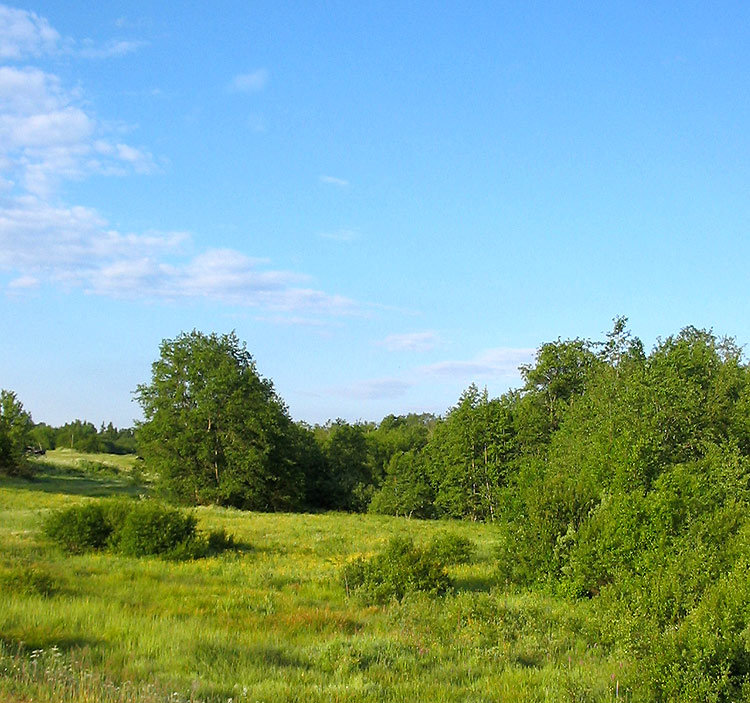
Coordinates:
[273,623]
[451,549]
[137,529]
[83,436]
[406,489]
[79,528]
[468,456]
[617,483]
[151,529]
[399,569]
[15,425]
[345,450]
[214,430]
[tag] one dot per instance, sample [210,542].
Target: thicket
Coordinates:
[133,528]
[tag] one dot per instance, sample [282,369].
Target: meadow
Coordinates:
[272,620]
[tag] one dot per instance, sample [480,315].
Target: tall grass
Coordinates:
[273,623]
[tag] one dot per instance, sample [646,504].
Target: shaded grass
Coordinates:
[49,478]
[272,623]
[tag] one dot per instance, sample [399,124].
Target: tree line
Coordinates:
[216,431]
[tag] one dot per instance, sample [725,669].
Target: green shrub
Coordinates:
[401,568]
[151,529]
[79,528]
[451,549]
[132,528]
[706,657]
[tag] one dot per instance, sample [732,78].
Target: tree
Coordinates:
[470,454]
[15,426]
[345,449]
[214,430]
[406,489]
[559,374]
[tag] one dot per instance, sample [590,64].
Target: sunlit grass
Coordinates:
[72,458]
[272,622]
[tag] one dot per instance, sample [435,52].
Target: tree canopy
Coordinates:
[214,430]
[15,426]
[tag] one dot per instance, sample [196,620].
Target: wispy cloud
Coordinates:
[25,34]
[23,282]
[47,135]
[411,342]
[110,49]
[341,235]
[249,82]
[75,246]
[500,362]
[332,180]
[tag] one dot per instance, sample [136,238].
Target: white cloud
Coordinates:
[46,136]
[140,160]
[412,341]
[24,34]
[68,242]
[249,82]
[23,282]
[492,363]
[75,246]
[332,180]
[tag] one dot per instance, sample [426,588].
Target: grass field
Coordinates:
[72,459]
[271,621]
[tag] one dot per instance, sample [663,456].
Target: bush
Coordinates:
[80,528]
[151,529]
[452,549]
[400,569]
[706,657]
[134,529]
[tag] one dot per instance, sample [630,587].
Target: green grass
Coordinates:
[272,622]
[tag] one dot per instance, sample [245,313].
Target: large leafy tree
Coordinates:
[215,430]
[15,425]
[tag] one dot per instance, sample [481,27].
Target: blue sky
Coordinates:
[387,202]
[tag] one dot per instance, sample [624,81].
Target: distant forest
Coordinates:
[83,437]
